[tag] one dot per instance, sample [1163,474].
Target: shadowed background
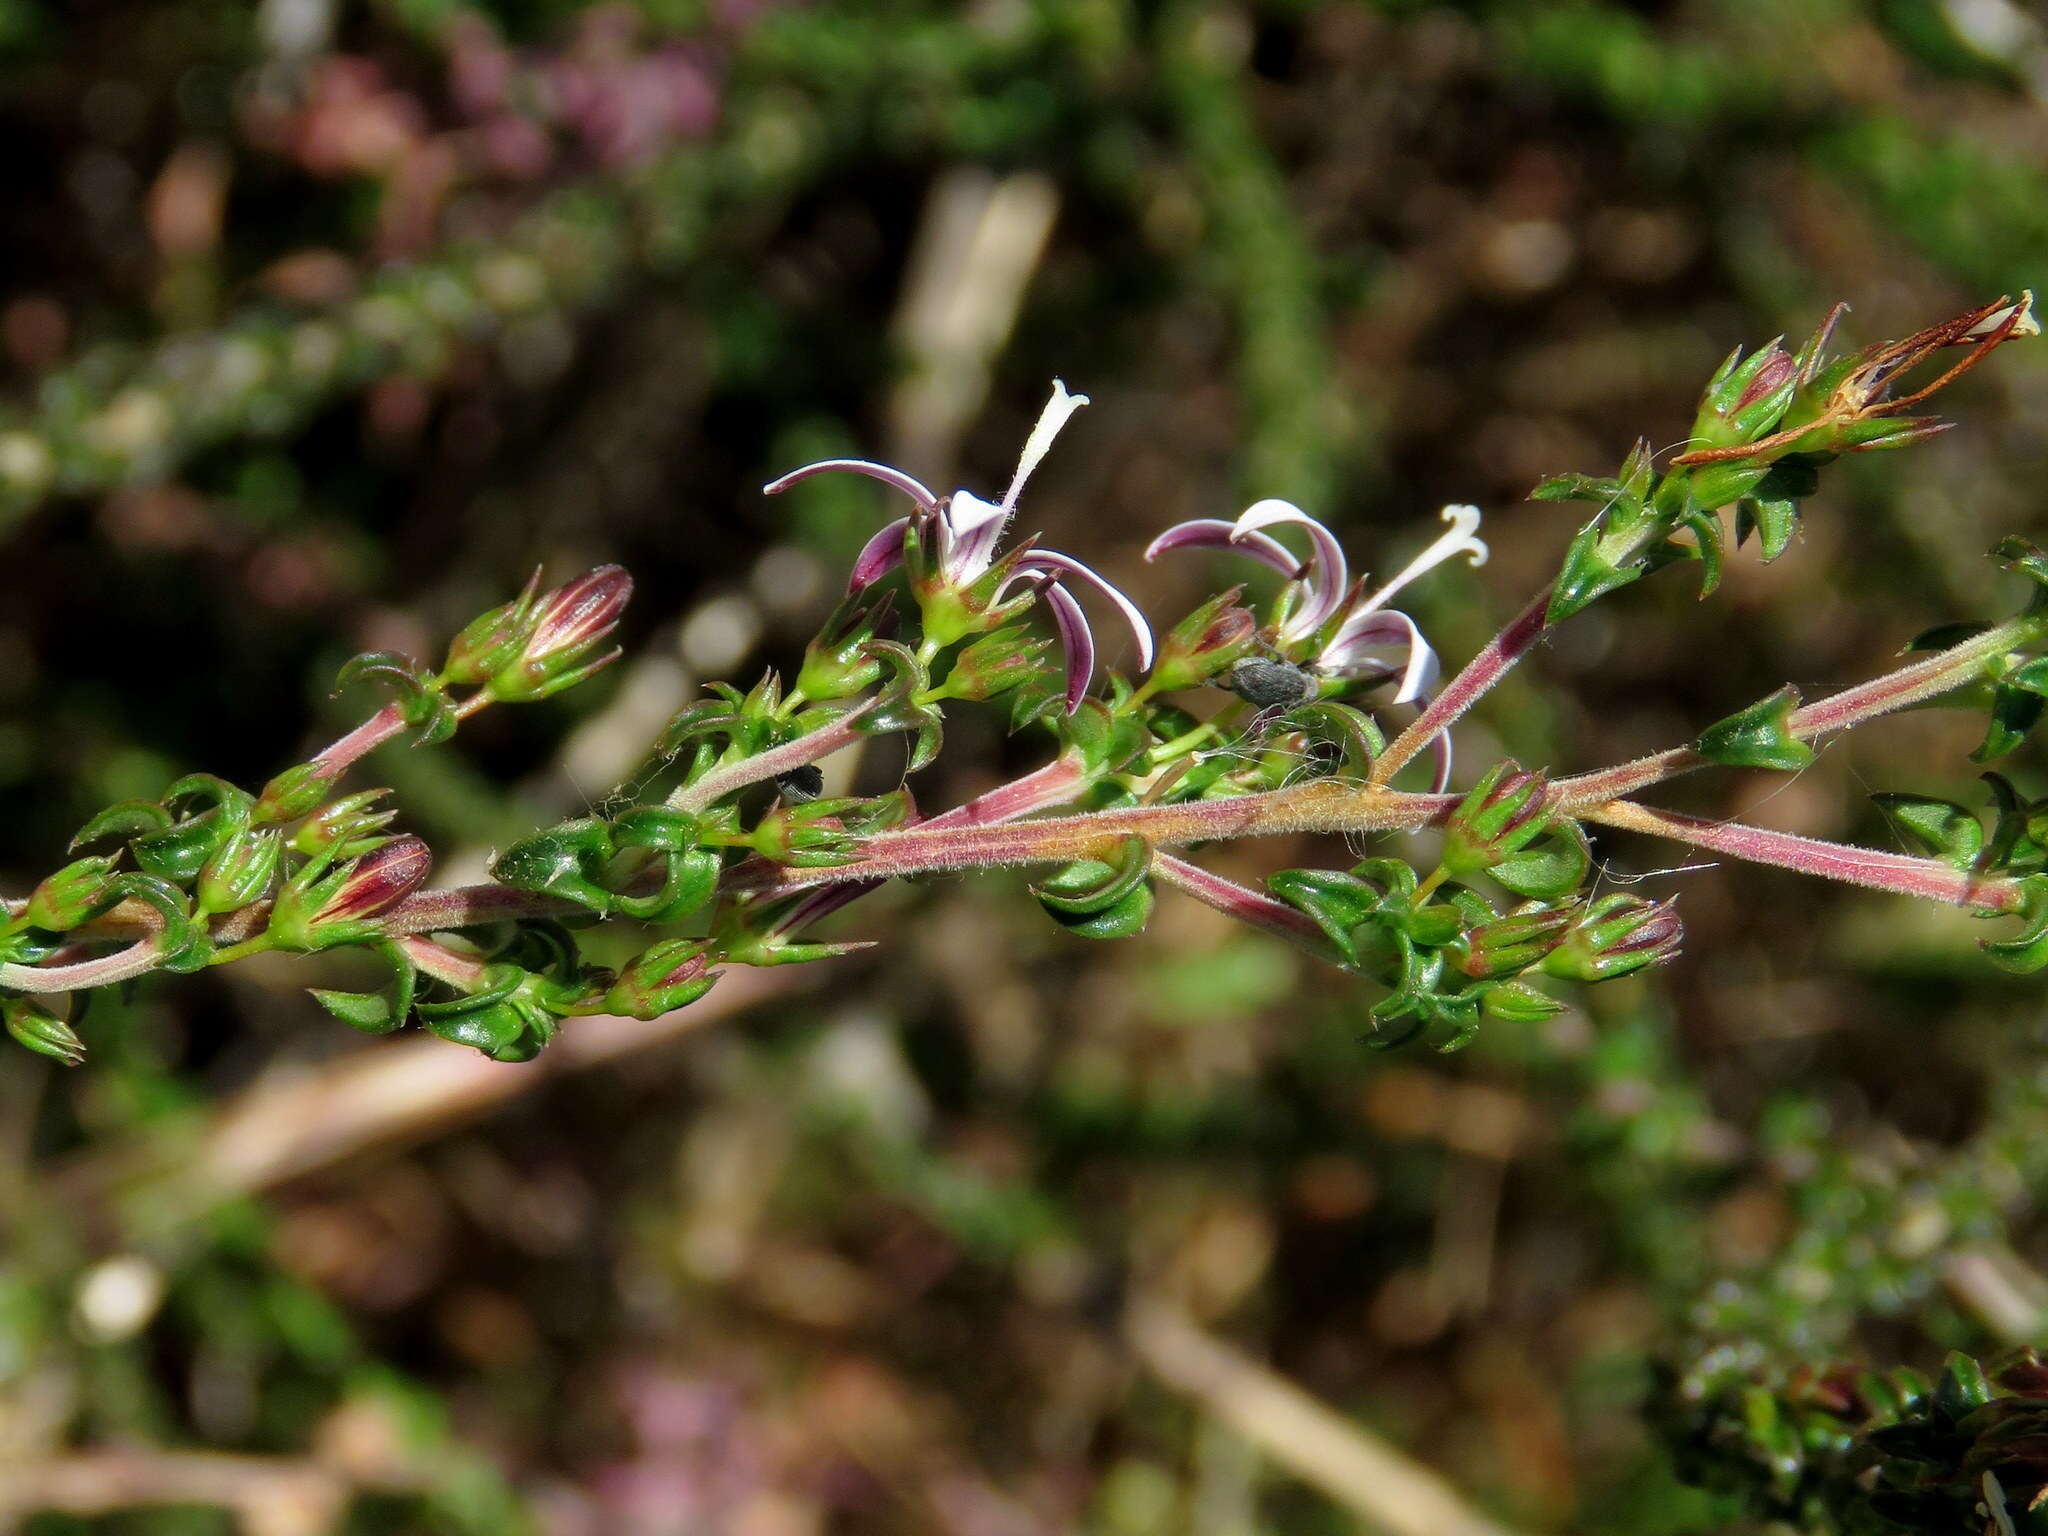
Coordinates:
[321,324]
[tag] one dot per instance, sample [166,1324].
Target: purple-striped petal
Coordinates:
[879,556]
[1076,639]
[1214,533]
[1066,566]
[885,473]
[1349,652]
[1330,576]
[975,528]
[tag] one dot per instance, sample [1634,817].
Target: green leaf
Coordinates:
[2014,712]
[1552,868]
[131,818]
[381,1012]
[1089,886]
[1757,737]
[1336,902]
[1587,575]
[1940,828]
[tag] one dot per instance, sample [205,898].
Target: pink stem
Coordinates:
[1466,689]
[1243,903]
[138,959]
[361,741]
[1908,876]
[1916,684]
[806,749]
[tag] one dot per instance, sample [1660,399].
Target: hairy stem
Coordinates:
[1940,673]
[806,749]
[361,741]
[138,959]
[1466,689]
[1243,903]
[1929,879]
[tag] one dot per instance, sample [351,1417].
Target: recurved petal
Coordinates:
[1066,567]
[1076,639]
[1215,533]
[1353,652]
[879,556]
[1330,574]
[887,474]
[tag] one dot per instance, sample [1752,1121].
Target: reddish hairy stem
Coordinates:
[1467,688]
[363,740]
[1243,903]
[1929,879]
[138,959]
[806,749]
[1909,685]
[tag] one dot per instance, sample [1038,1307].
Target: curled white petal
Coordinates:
[1462,539]
[1061,406]
[1352,652]
[1328,576]
[888,474]
[976,527]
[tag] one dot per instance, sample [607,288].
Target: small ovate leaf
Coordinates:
[380,1012]
[2024,952]
[1603,489]
[1940,828]
[1122,919]
[689,880]
[1349,734]
[416,692]
[1587,575]
[1089,886]
[1707,536]
[1551,868]
[2014,712]
[2013,849]
[568,861]
[1946,636]
[1338,903]
[131,818]
[182,943]
[1757,737]
[178,853]
[2020,555]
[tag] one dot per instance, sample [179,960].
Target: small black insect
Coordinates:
[1268,683]
[802,784]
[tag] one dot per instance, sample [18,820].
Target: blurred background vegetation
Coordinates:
[322,323]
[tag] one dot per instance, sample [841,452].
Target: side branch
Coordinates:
[1467,688]
[1898,872]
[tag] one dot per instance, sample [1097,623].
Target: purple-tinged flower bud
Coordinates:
[1510,945]
[671,975]
[494,640]
[1618,934]
[70,896]
[346,828]
[1745,399]
[568,624]
[296,792]
[320,907]
[1505,812]
[996,663]
[1205,644]
[41,1031]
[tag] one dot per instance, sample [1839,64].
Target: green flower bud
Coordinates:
[493,641]
[1513,943]
[1506,811]
[74,893]
[1618,934]
[1205,644]
[569,624]
[240,871]
[996,663]
[41,1031]
[671,975]
[351,825]
[296,792]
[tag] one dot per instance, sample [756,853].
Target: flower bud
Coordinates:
[996,663]
[671,975]
[1512,944]
[1618,934]
[346,828]
[321,907]
[70,896]
[240,871]
[41,1031]
[494,640]
[837,662]
[1505,812]
[296,792]
[1205,644]
[568,624]
[1745,399]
